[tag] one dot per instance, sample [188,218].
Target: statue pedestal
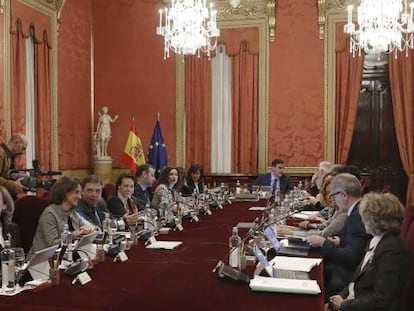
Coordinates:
[102,167]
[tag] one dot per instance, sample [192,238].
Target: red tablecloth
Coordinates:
[160,279]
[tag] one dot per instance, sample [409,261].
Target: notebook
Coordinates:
[164,244]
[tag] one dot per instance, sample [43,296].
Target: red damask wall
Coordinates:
[74,109]
[131,76]
[132,79]
[296,121]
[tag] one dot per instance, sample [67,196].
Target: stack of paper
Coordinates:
[295,263]
[164,244]
[267,284]
[257,208]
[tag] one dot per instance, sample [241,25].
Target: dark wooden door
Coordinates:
[374,146]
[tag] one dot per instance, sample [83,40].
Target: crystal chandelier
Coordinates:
[188,27]
[384,26]
[234,3]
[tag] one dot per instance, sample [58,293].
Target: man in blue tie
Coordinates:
[91,208]
[145,178]
[275,178]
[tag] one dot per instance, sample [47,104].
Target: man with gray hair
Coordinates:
[343,253]
[16,146]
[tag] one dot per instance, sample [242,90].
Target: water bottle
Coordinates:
[7,268]
[66,240]
[235,249]
[106,226]
[278,196]
[238,187]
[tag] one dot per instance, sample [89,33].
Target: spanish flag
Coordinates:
[133,153]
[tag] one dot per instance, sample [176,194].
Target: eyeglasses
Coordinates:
[332,195]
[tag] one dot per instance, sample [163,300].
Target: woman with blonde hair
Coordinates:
[379,278]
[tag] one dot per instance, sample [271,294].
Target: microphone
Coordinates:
[77,267]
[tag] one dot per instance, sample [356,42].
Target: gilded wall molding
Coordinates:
[321,18]
[254,9]
[335,11]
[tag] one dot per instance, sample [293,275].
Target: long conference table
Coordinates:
[169,279]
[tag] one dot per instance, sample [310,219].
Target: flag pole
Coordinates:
[158,115]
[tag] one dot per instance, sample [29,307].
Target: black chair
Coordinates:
[26,215]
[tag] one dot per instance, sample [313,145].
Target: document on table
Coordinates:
[245,225]
[295,263]
[257,208]
[300,216]
[268,284]
[164,244]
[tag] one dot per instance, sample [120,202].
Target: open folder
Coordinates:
[268,284]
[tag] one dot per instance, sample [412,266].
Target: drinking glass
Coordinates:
[19,258]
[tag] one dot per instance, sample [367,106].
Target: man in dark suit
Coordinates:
[343,254]
[91,207]
[275,178]
[145,178]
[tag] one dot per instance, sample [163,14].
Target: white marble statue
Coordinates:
[103,132]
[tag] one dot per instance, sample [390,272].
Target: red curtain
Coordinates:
[348,85]
[198,111]
[244,102]
[43,102]
[42,92]
[18,100]
[402,86]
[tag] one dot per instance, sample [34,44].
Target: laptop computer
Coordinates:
[38,266]
[85,248]
[288,248]
[276,273]
[86,240]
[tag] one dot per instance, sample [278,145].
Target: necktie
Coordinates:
[132,207]
[274,185]
[97,219]
[146,195]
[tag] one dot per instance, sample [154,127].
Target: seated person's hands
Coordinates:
[335,302]
[84,230]
[335,240]
[132,219]
[284,231]
[315,240]
[310,201]
[304,224]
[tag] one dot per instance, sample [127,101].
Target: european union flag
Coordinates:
[157,154]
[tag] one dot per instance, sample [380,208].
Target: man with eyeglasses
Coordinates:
[343,254]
